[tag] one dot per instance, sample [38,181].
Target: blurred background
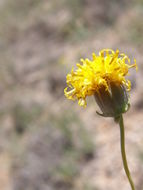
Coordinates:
[46,141]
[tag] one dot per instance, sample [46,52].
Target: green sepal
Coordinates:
[112,102]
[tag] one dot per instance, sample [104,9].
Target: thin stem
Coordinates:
[123,152]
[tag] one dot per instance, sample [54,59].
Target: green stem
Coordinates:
[123,152]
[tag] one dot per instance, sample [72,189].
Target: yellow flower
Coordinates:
[96,75]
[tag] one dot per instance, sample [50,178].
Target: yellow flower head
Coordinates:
[91,76]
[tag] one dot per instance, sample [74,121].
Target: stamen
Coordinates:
[114,57]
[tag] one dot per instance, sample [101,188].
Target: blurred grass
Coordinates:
[14,16]
[24,116]
[136,28]
[78,149]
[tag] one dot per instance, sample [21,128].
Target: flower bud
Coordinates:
[112,101]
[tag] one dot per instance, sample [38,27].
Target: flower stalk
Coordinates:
[104,77]
[123,152]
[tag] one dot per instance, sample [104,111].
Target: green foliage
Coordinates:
[66,172]
[78,148]
[19,7]
[65,123]
[136,28]
[140,2]
[24,116]
[76,6]
[87,186]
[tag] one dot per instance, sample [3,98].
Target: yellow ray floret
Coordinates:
[106,68]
